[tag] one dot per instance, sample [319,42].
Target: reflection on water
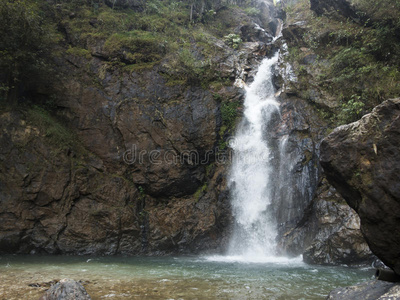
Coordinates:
[173,277]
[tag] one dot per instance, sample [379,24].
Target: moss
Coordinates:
[135,46]
[200,191]
[79,52]
[209,169]
[52,129]
[139,67]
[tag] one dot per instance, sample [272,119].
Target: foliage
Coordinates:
[355,60]
[25,45]
[252,11]
[233,40]
[351,111]
[52,129]
[382,10]
[200,191]
[135,46]
[79,52]
[229,113]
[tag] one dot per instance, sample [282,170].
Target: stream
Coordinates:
[202,277]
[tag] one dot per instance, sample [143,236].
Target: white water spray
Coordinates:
[250,177]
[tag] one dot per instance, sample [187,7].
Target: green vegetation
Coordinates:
[357,62]
[229,113]
[79,52]
[131,39]
[181,34]
[200,191]
[252,11]
[25,47]
[351,110]
[51,128]
[135,47]
[233,40]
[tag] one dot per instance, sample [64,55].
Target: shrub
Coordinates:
[233,40]
[351,111]
[252,11]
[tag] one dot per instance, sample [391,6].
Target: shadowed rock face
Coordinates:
[361,161]
[332,7]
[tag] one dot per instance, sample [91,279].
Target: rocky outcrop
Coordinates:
[313,218]
[338,239]
[317,221]
[87,197]
[334,7]
[329,232]
[362,161]
[370,290]
[66,289]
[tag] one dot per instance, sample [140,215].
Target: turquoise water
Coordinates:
[174,277]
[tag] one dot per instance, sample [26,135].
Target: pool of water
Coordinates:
[174,277]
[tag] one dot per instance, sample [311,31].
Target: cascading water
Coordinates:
[250,177]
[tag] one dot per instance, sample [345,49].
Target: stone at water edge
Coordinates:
[362,161]
[370,290]
[66,289]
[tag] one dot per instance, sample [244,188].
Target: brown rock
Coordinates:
[362,161]
[66,289]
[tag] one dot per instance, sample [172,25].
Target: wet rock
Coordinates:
[319,222]
[338,239]
[254,33]
[313,218]
[293,33]
[361,160]
[66,289]
[329,232]
[370,290]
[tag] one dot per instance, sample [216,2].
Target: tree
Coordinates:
[25,46]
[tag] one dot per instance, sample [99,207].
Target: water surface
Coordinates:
[175,277]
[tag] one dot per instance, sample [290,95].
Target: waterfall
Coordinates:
[251,172]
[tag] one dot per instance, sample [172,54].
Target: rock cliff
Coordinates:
[132,158]
[314,220]
[361,161]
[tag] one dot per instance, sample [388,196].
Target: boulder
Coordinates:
[362,161]
[370,290]
[66,289]
[339,239]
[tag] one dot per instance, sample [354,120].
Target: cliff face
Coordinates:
[331,48]
[361,161]
[315,221]
[133,157]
